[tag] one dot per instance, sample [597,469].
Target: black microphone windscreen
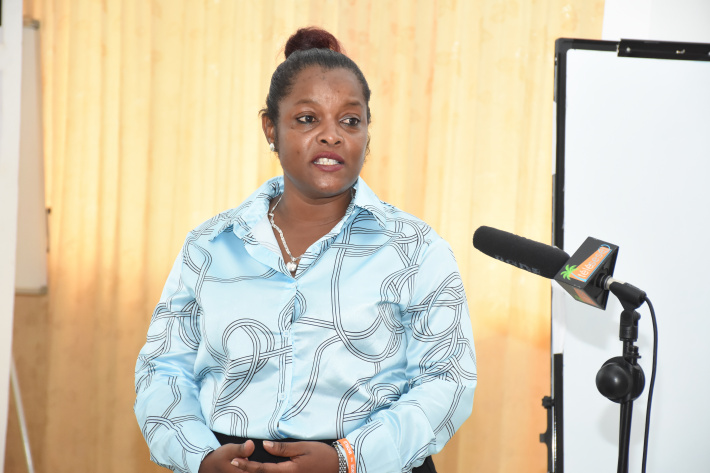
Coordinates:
[530,255]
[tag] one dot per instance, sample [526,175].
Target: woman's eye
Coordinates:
[308,119]
[351,121]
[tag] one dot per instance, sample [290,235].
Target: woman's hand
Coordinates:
[305,457]
[220,460]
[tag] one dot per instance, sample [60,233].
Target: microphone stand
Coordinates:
[621,378]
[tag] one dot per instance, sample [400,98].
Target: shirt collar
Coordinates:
[366,199]
[242,219]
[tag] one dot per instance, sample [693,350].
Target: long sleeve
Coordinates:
[441,373]
[167,395]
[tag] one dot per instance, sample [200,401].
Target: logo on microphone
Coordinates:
[579,274]
[518,265]
[583,271]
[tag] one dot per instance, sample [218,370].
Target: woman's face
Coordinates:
[322,132]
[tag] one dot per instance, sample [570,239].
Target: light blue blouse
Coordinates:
[371,340]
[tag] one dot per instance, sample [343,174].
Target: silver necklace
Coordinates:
[293,264]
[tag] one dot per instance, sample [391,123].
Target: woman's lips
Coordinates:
[328,161]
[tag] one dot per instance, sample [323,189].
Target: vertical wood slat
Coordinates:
[151,126]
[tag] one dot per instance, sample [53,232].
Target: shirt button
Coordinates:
[282,396]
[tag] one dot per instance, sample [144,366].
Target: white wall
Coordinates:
[663,20]
[10,73]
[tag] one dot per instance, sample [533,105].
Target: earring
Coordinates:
[272,147]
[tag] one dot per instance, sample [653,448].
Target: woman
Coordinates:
[314,328]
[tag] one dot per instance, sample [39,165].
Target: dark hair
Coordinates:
[309,47]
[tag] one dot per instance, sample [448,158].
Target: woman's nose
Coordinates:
[330,133]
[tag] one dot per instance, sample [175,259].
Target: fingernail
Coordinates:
[268,443]
[235,463]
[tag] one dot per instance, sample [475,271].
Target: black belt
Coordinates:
[262,456]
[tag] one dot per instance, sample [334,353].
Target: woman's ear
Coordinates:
[269,130]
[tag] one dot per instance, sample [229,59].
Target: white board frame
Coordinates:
[633,152]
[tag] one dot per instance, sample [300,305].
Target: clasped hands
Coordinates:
[305,457]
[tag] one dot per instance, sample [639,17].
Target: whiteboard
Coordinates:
[32,237]
[10,86]
[633,164]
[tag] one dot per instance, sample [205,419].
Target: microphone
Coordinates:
[586,275]
[537,258]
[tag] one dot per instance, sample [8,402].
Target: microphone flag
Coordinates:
[582,276]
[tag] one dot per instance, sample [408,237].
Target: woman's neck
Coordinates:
[296,209]
[299,222]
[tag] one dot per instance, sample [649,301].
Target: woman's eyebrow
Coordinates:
[355,102]
[308,101]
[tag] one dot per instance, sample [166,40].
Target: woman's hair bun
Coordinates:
[310,38]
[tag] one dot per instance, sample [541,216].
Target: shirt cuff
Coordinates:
[373,441]
[183,448]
